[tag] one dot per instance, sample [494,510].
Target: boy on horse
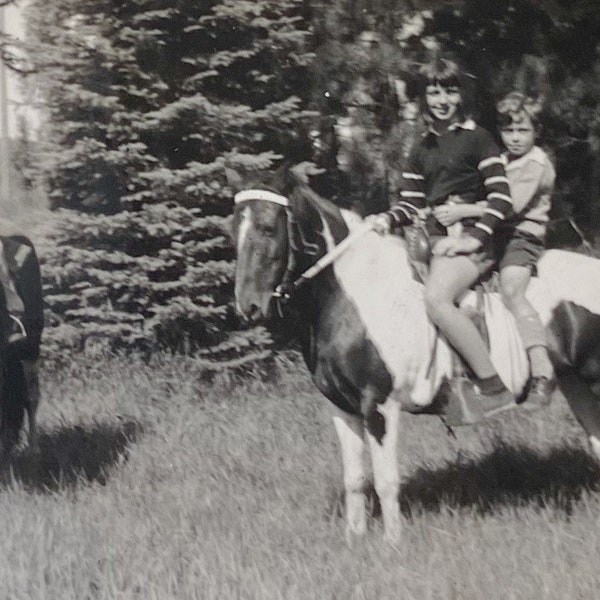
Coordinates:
[456,160]
[531,179]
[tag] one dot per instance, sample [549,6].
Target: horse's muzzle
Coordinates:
[251,314]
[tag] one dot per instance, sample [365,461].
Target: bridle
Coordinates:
[283,292]
[272,197]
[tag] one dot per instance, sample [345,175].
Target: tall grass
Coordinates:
[156,481]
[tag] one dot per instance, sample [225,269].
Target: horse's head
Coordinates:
[278,238]
[261,233]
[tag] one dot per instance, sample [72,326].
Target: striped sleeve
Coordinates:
[499,203]
[411,197]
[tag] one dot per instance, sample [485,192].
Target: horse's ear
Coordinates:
[234,179]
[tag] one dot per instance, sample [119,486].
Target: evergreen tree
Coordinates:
[152,102]
[149,103]
[493,39]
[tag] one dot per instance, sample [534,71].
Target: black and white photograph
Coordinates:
[299,299]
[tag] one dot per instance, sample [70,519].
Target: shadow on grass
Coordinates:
[507,476]
[69,456]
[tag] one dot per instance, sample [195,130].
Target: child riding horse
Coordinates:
[456,158]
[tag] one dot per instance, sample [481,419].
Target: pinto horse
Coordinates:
[366,338]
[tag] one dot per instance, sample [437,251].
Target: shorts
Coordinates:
[517,248]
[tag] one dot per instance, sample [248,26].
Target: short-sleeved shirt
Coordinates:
[531,180]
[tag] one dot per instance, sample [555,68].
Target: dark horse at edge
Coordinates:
[19,378]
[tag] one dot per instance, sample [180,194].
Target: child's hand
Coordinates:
[448,214]
[381,223]
[450,246]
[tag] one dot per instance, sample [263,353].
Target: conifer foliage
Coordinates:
[150,103]
[155,106]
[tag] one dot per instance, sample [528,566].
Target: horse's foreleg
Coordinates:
[350,433]
[585,405]
[32,385]
[383,443]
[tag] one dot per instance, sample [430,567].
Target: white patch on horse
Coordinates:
[375,275]
[244,228]
[350,430]
[565,277]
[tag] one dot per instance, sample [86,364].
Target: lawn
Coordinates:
[156,481]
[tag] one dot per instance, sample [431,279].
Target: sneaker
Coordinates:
[468,405]
[540,393]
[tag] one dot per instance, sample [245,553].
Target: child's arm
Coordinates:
[412,199]
[412,194]
[448,214]
[498,195]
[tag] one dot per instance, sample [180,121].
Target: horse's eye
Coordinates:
[269,230]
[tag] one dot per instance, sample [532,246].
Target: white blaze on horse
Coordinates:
[365,334]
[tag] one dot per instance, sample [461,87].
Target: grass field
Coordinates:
[154,483]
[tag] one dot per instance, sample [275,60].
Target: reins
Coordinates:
[324,261]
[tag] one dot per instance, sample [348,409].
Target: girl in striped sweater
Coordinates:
[456,160]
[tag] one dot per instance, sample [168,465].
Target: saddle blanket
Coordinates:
[506,351]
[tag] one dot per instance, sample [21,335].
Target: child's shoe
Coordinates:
[467,404]
[540,393]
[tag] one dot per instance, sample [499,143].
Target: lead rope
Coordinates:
[282,294]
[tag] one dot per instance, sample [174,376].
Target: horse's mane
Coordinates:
[315,209]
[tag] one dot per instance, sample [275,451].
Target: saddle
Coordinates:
[420,253]
[419,250]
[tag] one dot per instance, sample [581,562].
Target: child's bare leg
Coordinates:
[448,279]
[513,281]
[488,395]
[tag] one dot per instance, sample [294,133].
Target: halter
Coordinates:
[267,196]
[284,290]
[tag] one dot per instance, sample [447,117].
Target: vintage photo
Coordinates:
[299,299]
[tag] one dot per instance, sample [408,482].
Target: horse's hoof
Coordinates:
[353,536]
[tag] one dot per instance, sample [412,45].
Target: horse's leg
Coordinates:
[383,442]
[585,405]
[13,407]
[32,384]
[350,433]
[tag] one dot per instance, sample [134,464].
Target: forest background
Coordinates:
[154,110]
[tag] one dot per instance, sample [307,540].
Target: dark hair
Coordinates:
[443,72]
[514,104]
[440,71]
